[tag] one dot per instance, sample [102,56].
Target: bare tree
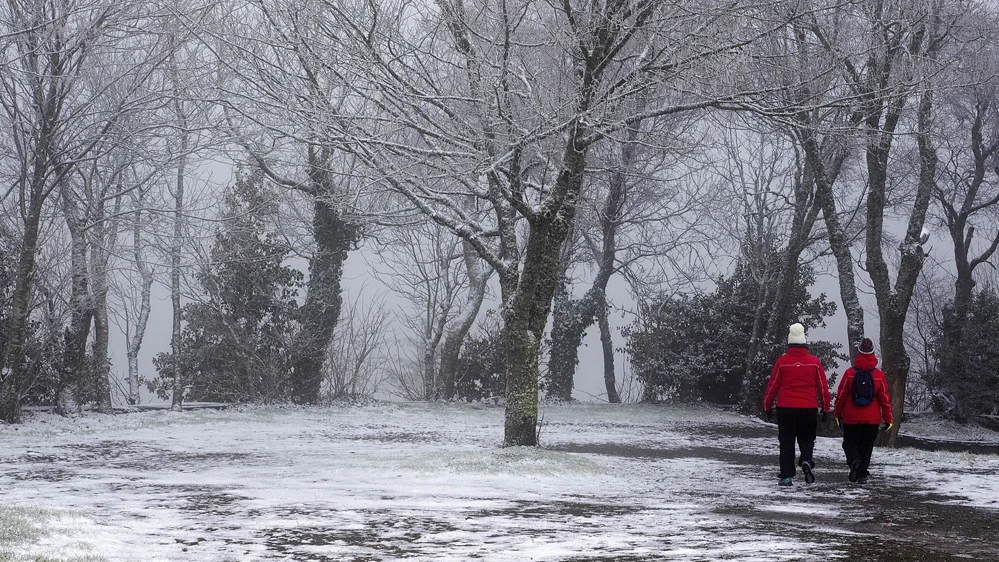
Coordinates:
[423,264]
[633,216]
[809,104]
[354,365]
[136,308]
[967,186]
[884,54]
[279,87]
[481,121]
[922,30]
[58,120]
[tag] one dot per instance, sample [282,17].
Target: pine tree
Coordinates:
[693,348]
[971,387]
[236,342]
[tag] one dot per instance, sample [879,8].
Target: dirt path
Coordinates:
[891,520]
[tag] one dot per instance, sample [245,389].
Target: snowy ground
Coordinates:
[431,482]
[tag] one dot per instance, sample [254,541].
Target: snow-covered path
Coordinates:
[431,482]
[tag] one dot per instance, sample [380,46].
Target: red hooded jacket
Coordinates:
[872,413]
[797,381]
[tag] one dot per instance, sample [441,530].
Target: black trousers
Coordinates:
[795,424]
[858,443]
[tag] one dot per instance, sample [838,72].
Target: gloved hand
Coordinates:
[886,426]
[825,416]
[769,414]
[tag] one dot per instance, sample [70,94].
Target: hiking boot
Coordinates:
[785,482]
[806,467]
[855,470]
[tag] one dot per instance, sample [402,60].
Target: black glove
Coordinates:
[886,426]
[769,414]
[825,417]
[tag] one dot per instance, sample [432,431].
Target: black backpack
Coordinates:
[863,388]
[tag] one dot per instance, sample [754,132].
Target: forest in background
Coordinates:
[711,157]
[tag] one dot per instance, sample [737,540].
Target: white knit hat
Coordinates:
[796,334]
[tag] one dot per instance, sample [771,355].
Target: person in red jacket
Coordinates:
[797,383]
[860,421]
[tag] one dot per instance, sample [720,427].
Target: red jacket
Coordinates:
[880,408]
[797,381]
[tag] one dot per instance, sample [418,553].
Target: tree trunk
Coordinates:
[74,372]
[893,301]
[430,390]
[176,348]
[135,339]
[12,385]
[334,238]
[478,276]
[749,403]
[607,344]
[839,243]
[526,309]
[105,232]
[571,318]
[101,367]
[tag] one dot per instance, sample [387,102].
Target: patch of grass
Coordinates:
[21,527]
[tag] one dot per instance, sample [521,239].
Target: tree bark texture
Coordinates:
[607,345]
[478,276]
[105,232]
[334,237]
[525,316]
[145,288]
[73,373]
[893,301]
[839,243]
[176,347]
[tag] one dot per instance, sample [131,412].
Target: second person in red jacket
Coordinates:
[860,420]
[799,386]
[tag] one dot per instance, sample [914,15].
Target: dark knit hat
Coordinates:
[866,346]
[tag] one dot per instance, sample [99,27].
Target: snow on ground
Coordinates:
[432,482]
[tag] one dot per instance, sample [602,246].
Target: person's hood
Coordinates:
[865,361]
[798,350]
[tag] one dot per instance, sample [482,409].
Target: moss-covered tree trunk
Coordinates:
[525,314]
[570,319]
[334,237]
